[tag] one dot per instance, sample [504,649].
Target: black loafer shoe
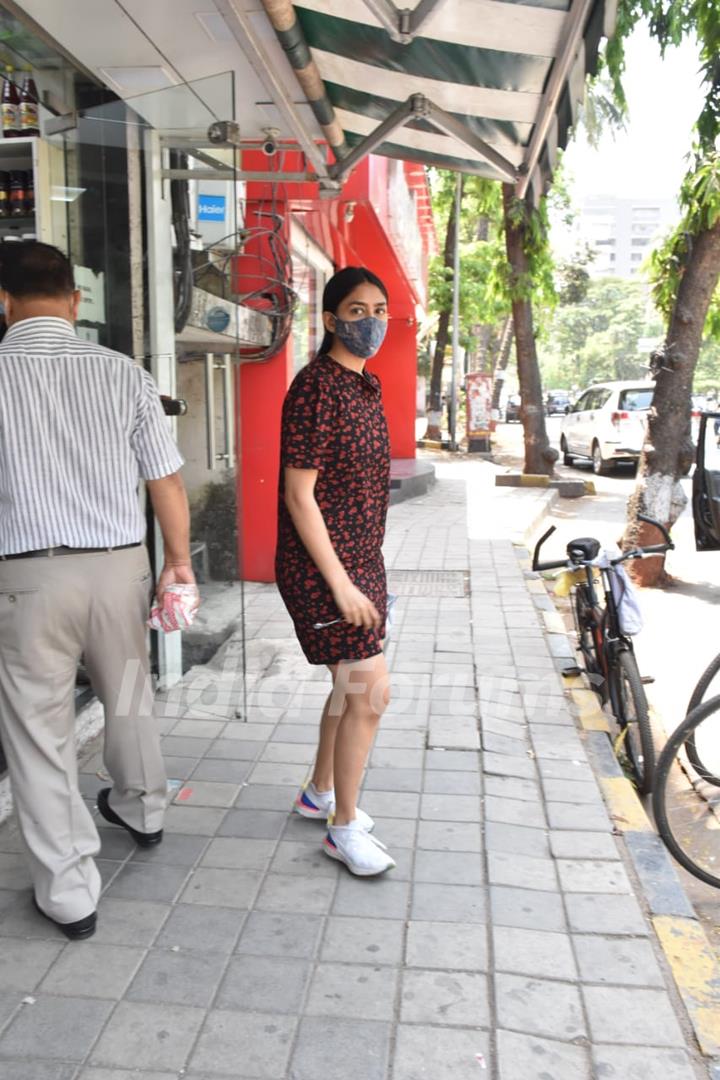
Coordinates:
[143,839]
[76,931]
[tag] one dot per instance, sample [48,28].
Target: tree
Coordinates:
[528,260]
[685,270]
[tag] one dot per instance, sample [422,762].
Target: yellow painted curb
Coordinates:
[533,480]
[590,487]
[590,715]
[535,585]
[623,805]
[696,973]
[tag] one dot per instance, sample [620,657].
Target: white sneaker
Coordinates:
[362,854]
[311,803]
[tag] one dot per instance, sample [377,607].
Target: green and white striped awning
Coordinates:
[484,86]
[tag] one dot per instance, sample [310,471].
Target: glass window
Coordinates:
[637,399]
[311,270]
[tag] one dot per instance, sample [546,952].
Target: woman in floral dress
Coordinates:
[334,488]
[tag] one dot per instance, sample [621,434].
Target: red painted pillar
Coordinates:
[396,365]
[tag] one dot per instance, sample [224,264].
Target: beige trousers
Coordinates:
[52,611]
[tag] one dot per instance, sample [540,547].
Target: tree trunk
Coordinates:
[540,457]
[443,335]
[506,340]
[668,452]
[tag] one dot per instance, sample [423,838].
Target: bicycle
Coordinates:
[605,643]
[686,799]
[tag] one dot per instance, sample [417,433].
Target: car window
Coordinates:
[636,399]
[582,402]
[602,396]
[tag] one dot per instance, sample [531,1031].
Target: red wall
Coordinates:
[261,386]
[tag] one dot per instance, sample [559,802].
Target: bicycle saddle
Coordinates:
[584,549]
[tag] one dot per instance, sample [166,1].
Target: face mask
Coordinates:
[361,337]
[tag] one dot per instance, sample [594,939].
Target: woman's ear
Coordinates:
[329,321]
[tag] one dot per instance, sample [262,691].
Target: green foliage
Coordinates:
[597,336]
[670,22]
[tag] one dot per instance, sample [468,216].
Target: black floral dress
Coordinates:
[333,421]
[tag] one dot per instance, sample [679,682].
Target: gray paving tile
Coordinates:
[283,773]
[449,836]
[449,782]
[291,893]
[407,757]
[446,945]
[269,933]
[198,729]
[456,760]
[266,797]
[620,961]
[514,812]
[233,750]
[396,832]
[123,1074]
[91,970]
[55,1028]
[129,922]
[357,990]
[255,824]
[393,779]
[295,753]
[586,875]
[32,1069]
[214,769]
[516,839]
[24,963]
[528,908]
[444,997]
[438,807]
[363,940]
[641,1063]
[201,929]
[238,854]
[195,820]
[533,1058]
[442,1053]
[306,859]
[175,850]
[10,1001]
[607,914]
[268,984]
[148,1036]
[142,881]
[539,1007]
[505,764]
[116,843]
[361,1045]
[402,804]
[583,845]
[218,887]
[183,746]
[582,816]
[380,897]
[572,791]
[209,793]
[448,903]
[522,871]
[534,952]
[449,867]
[632,1016]
[178,978]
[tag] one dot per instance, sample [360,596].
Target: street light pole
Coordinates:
[456,317]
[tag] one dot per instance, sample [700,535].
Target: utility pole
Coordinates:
[456,317]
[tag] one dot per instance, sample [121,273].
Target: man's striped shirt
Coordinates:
[79,426]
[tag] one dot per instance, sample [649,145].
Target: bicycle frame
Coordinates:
[609,639]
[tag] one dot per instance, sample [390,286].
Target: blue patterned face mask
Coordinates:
[361,337]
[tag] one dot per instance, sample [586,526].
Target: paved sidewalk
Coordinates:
[510,942]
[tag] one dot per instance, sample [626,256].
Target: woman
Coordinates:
[334,485]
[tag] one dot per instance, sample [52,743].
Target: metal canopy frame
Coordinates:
[403,24]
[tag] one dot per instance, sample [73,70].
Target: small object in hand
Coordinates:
[178,609]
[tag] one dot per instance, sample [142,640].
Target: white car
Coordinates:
[607,424]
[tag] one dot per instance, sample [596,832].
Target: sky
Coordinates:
[664,99]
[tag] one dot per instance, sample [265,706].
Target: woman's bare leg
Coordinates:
[363,688]
[323,776]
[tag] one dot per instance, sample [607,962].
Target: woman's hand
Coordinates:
[355,607]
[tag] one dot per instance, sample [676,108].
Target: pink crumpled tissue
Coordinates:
[178,609]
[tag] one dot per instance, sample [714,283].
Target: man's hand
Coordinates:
[174,574]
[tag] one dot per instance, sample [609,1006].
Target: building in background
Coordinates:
[621,232]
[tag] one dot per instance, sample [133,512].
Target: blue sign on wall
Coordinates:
[211,207]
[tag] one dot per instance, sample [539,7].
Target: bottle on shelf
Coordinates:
[10,107]
[29,111]
[17,194]
[4,195]
[29,187]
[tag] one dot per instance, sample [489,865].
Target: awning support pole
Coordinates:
[450,125]
[402,24]
[548,106]
[456,316]
[397,118]
[241,27]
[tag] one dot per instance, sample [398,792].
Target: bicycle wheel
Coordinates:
[587,631]
[699,693]
[686,807]
[630,706]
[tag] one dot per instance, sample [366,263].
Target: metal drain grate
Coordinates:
[429,582]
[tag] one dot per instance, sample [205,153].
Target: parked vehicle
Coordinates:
[607,424]
[512,409]
[557,403]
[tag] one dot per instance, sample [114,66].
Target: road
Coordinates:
[680,636]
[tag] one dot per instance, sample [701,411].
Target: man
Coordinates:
[79,426]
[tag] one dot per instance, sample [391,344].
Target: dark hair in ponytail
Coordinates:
[341,285]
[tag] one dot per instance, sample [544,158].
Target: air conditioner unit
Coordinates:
[220,324]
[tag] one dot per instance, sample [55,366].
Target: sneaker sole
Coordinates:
[318,815]
[333,853]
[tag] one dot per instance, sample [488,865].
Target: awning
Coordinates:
[489,87]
